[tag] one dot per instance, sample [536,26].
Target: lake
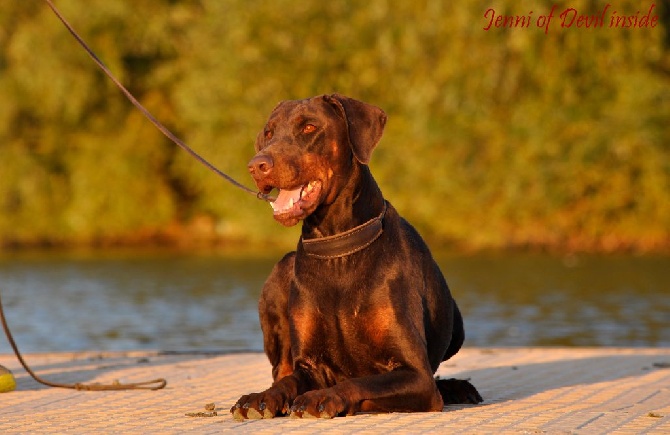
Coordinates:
[181,301]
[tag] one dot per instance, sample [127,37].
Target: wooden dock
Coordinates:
[525,390]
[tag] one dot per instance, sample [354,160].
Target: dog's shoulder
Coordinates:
[282,273]
[404,234]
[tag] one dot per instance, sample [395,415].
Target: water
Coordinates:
[208,302]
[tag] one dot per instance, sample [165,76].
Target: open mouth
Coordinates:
[293,202]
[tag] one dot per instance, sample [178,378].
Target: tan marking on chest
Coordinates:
[378,325]
[304,325]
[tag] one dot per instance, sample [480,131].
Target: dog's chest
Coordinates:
[325,327]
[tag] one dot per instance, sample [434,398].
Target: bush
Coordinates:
[498,138]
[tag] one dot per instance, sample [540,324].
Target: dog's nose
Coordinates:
[261,165]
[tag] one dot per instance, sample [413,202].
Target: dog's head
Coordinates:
[308,149]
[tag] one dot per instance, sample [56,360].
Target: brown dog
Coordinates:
[359,317]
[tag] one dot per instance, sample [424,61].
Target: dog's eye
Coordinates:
[268,134]
[309,128]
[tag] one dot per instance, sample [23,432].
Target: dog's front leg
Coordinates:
[405,390]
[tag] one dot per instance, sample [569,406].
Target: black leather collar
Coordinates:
[345,243]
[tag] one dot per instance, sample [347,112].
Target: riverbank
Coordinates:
[526,390]
[183,239]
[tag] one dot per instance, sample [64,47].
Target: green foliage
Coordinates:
[499,138]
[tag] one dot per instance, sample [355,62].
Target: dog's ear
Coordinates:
[365,123]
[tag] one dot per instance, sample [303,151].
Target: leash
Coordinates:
[159,383]
[155,384]
[148,114]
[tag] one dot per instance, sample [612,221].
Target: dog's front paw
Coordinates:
[268,404]
[318,404]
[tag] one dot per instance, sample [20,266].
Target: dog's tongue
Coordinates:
[286,199]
